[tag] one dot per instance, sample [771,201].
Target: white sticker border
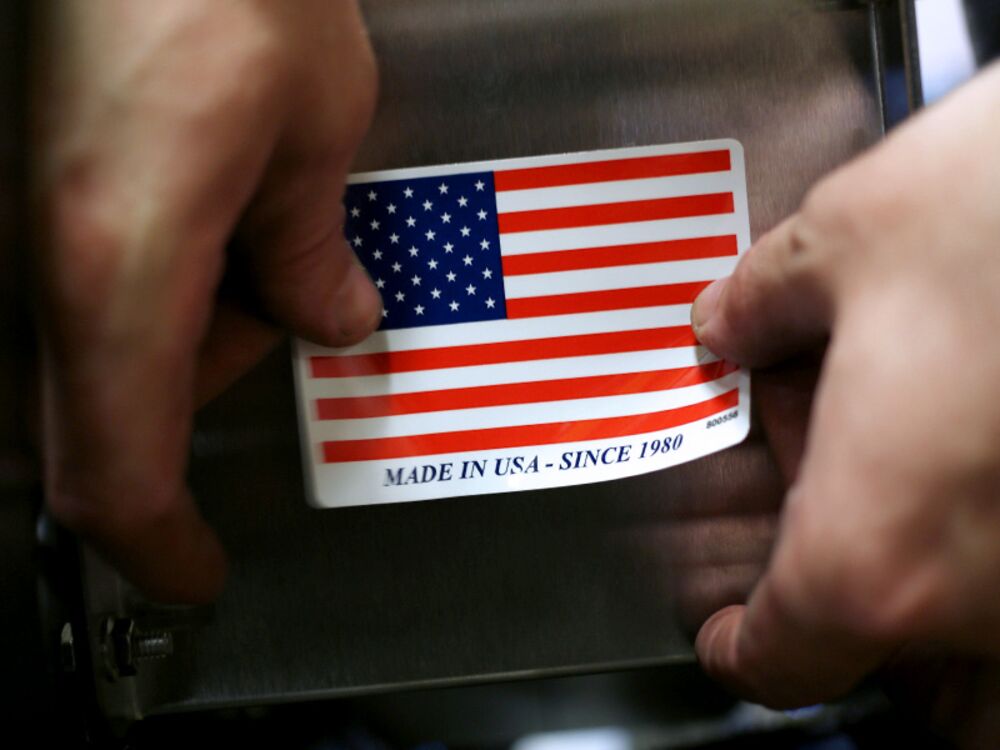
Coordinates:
[363,486]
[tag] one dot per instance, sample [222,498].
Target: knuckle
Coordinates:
[252,79]
[890,604]
[241,74]
[827,219]
[859,585]
[853,207]
[95,287]
[97,514]
[74,511]
[86,243]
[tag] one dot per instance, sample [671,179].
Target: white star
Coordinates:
[358,242]
[487,273]
[380,283]
[490,303]
[415,280]
[355,212]
[408,193]
[453,306]
[448,247]
[400,296]
[377,255]
[428,205]
[394,238]
[485,244]
[451,275]
[414,252]
[430,235]
[385,313]
[465,231]
[446,218]
[482,215]
[470,290]
[479,186]
[375,225]
[432,264]
[436,293]
[391,208]
[467,260]
[443,189]
[419,309]
[411,222]
[396,267]
[372,195]
[463,201]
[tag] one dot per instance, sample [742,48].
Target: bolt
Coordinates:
[123,646]
[67,651]
[152,645]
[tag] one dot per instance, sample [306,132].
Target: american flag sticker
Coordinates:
[536,326]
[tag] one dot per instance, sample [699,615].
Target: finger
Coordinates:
[833,603]
[777,302]
[116,431]
[769,653]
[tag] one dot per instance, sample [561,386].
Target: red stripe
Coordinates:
[337,451]
[607,171]
[615,213]
[382,363]
[364,407]
[619,255]
[608,299]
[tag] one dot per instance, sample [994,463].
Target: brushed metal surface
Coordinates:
[578,579]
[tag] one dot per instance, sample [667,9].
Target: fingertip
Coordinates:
[197,577]
[718,650]
[208,567]
[173,557]
[704,313]
[353,311]
[357,307]
[706,303]
[715,645]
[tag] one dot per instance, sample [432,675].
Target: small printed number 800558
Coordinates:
[716,421]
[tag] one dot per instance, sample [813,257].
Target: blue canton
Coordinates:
[432,247]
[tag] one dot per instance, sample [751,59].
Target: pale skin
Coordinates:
[181,141]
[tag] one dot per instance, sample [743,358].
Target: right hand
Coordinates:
[165,133]
[889,545]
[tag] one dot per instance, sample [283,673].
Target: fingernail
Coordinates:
[706,303]
[357,305]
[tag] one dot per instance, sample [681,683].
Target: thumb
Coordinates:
[308,278]
[776,303]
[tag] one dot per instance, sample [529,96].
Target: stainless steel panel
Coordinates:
[327,603]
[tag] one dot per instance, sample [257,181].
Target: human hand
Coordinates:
[166,133]
[890,537]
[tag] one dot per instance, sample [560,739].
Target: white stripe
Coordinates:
[522,414]
[493,331]
[578,238]
[513,372]
[528,162]
[617,277]
[621,191]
